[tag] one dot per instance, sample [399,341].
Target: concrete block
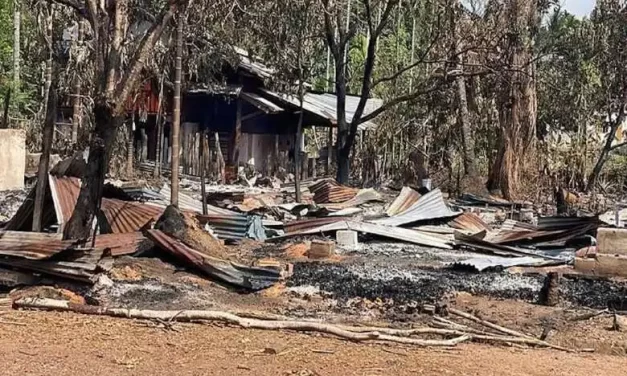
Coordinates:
[12,158]
[347,237]
[612,241]
[321,249]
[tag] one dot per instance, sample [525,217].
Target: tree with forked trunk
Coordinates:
[123,35]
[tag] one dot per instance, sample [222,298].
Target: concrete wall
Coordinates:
[12,159]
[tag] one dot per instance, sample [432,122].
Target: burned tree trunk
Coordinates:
[44,161]
[88,203]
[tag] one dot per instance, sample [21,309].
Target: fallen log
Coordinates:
[518,336]
[488,324]
[194,315]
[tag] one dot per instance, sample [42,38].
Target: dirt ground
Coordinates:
[44,343]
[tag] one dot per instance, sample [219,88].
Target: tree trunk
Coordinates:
[203,154]
[5,111]
[160,125]
[17,24]
[343,143]
[176,120]
[48,37]
[44,160]
[605,152]
[100,146]
[77,99]
[517,102]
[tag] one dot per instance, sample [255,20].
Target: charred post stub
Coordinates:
[549,295]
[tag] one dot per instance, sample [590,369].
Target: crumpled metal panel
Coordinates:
[188,203]
[251,278]
[65,191]
[29,245]
[39,246]
[428,207]
[469,222]
[362,197]
[128,216]
[405,200]
[330,191]
[235,227]
[397,233]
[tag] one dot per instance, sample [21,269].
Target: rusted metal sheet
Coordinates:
[405,200]
[538,237]
[122,244]
[39,246]
[29,245]
[362,197]
[64,191]
[469,222]
[127,216]
[330,191]
[428,207]
[250,278]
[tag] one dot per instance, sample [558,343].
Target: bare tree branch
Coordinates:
[131,77]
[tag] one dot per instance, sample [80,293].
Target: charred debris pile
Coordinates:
[325,240]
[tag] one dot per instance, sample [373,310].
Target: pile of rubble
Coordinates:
[479,233]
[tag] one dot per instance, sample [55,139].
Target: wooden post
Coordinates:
[159,151]
[202,172]
[5,116]
[176,121]
[329,151]
[129,149]
[275,166]
[238,132]
[44,161]
[219,160]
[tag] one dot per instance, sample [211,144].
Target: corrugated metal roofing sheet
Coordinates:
[128,216]
[65,191]
[252,278]
[260,102]
[405,200]
[469,222]
[330,191]
[325,106]
[188,203]
[38,246]
[29,245]
[362,197]
[397,233]
[429,206]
